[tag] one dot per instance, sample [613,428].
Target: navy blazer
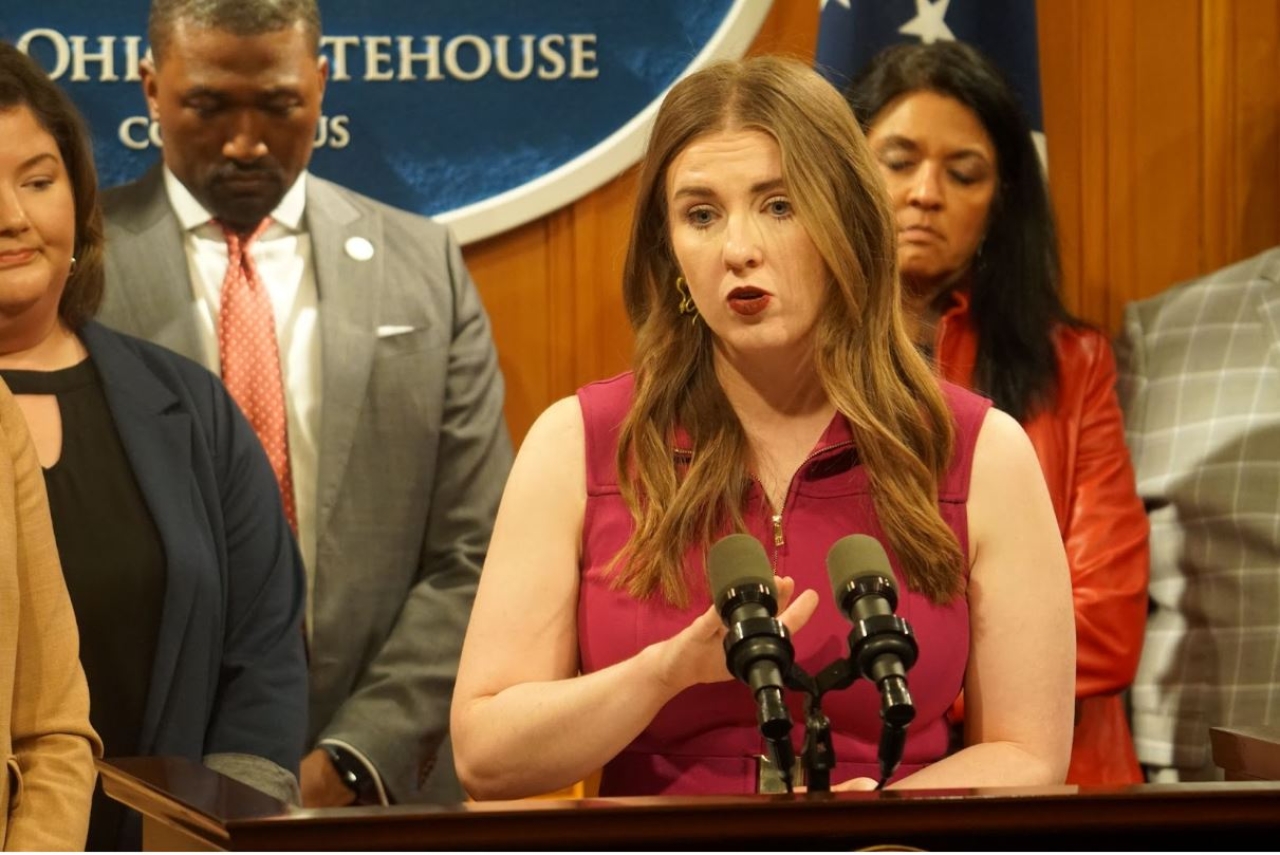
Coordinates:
[230,674]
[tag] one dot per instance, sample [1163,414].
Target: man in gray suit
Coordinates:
[1200,385]
[395,436]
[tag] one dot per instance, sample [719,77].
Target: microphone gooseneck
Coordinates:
[758,647]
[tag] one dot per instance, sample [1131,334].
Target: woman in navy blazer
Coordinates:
[186,581]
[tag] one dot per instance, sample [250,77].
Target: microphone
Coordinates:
[881,644]
[758,647]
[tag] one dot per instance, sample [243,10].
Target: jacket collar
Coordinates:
[957,302]
[350,288]
[955,343]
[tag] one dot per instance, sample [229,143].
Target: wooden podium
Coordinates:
[1247,753]
[187,807]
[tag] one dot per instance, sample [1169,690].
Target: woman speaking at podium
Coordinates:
[775,392]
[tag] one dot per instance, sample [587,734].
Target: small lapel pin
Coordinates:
[359,249]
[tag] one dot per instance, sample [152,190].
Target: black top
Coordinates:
[113,561]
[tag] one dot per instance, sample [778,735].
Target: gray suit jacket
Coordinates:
[414,454]
[1200,386]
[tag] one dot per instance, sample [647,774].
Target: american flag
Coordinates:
[850,32]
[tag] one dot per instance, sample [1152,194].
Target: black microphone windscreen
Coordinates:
[735,560]
[854,557]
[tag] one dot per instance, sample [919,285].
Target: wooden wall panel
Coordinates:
[1165,157]
[512,274]
[1242,129]
[600,338]
[1061,24]
[1163,121]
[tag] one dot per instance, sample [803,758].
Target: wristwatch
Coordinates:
[355,776]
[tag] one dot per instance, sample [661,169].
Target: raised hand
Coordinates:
[696,653]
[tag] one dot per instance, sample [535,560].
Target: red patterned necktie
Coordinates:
[251,358]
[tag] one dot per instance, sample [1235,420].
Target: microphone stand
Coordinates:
[819,754]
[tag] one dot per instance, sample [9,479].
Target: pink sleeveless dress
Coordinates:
[705,741]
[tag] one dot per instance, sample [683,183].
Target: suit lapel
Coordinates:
[157,441]
[150,252]
[349,290]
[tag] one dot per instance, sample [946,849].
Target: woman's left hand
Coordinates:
[854,785]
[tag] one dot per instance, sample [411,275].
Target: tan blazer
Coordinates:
[45,737]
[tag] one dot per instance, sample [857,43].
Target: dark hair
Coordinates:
[1015,298]
[25,84]
[239,17]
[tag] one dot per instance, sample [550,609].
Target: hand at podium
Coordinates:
[853,785]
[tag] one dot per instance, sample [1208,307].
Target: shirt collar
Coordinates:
[192,215]
[838,434]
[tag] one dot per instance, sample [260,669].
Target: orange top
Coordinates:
[1081,446]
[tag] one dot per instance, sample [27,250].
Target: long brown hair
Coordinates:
[864,357]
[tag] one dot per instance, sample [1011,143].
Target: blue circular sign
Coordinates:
[483,113]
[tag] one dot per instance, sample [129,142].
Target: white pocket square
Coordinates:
[389,330]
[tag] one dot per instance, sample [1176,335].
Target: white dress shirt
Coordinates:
[283,258]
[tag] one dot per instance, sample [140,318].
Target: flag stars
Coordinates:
[929,24]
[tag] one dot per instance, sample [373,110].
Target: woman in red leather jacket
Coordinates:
[978,257]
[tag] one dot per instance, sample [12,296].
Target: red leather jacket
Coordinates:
[1081,446]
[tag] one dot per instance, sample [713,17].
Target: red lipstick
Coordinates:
[748,301]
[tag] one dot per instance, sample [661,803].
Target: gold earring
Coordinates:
[687,306]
